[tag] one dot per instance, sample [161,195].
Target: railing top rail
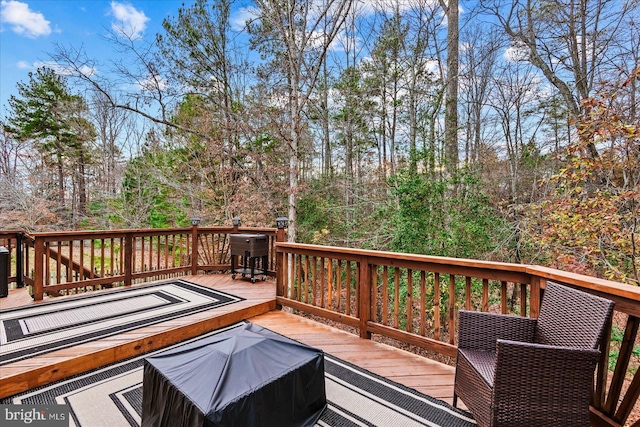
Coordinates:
[459,262]
[9,233]
[587,282]
[77,234]
[603,286]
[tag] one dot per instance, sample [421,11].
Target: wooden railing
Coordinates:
[71,262]
[414,299]
[410,298]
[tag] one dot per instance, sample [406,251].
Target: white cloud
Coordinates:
[23,20]
[152,83]
[517,52]
[23,65]
[65,71]
[130,22]
[242,16]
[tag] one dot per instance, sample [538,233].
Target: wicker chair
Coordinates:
[518,371]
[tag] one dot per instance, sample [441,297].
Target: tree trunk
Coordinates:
[451,104]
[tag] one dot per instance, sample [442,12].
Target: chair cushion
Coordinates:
[483,361]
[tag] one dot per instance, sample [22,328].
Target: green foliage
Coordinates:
[428,220]
[617,335]
[324,217]
[47,112]
[149,201]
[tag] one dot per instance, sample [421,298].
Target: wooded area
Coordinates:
[512,136]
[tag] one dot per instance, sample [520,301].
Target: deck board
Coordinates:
[425,375]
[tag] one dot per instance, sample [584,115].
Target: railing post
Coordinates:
[281,259]
[194,248]
[128,259]
[536,296]
[364,289]
[38,280]
[280,268]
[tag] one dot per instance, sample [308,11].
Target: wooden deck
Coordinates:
[427,376]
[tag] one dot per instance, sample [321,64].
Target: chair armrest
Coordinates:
[480,331]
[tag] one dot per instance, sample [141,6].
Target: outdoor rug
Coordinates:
[42,328]
[112,397]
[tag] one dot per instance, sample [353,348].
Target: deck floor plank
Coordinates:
[428,376]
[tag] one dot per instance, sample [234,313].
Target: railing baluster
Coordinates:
[168,251]
[61,272]
[385,296]
[129,258]
[322,279]
[70,271]
[47,267]
[315,280]
[374,293]
[436,305]
[330,284]
[93,260]
[158,252]
[299,289]
[102,258]
[338,290]
[452,309]
[348,289]
[122,251]
[409,308]
[485,294]
[503,297]
[624,356]
[81,262]
[310,294]
[396,298]
[629,401]
[423,302]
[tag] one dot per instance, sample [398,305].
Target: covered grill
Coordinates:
[252,248]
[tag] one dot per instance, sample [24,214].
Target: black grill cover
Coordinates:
[247,376]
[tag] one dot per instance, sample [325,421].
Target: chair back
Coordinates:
[572,318]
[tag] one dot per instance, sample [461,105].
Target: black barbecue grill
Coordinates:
[251,247]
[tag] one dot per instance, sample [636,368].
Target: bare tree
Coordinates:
[451,99]
[110,125]
[305,30]
[572,42]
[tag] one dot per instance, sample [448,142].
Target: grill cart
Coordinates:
[251,247]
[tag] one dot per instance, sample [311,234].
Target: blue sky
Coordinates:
[29,29]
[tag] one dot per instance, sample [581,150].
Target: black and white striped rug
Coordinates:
[112,397]
[42,328]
